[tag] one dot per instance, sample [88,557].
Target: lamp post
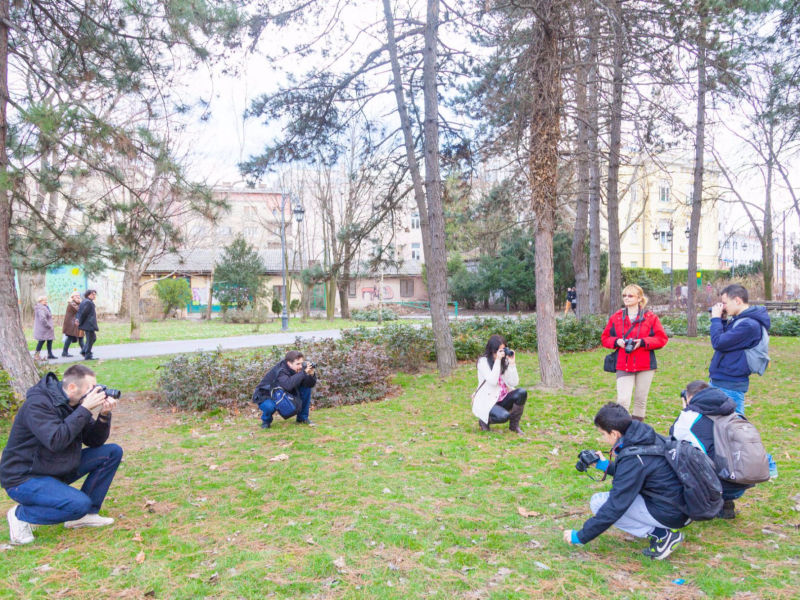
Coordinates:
[299,213]
[284,314]
[669,235]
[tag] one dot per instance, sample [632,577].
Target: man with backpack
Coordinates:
[740,338]
[645,494]
[709,422]
[292,376]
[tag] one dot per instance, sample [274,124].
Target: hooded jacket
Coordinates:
[645,327]
[695,426]
[48,434]
[281,375]
[730,338]
[634,474]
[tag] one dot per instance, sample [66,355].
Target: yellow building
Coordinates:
[656,195]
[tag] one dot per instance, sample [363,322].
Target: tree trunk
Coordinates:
[543,177]
[15,358]
[330,308]
[134,309]
[579,262]
[432,232]
[305,301]
[594,168]
[615,144]
[767,246]
[344,281]
[125,301]
[32,284]
[699,148]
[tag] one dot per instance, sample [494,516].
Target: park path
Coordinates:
[142,349]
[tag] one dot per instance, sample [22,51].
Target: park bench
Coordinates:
[782,306]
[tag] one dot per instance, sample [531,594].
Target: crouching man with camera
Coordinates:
[645,490]
[289,380]
[45,454]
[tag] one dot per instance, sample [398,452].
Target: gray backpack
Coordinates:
[739,455]
[757,356]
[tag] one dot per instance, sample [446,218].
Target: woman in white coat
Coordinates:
[496,400]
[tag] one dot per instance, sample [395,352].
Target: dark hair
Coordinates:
[76,374]
[88,293]
[735,290]
[492,347]
[293,355]
[612,417]
[696,386]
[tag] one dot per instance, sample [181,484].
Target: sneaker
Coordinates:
[18,531]
[773,468]
[661,548]
[265,425]
[89,520]
[306,422]
[728,510]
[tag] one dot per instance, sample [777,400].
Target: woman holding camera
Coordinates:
[496,400]
[635,334]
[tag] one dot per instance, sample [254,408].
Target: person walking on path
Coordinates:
[70,326]
[87,322]
[43,327]
[635,334]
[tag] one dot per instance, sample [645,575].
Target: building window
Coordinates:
[634,264]
[663,193]
[664,265]
[635,233]
[415,221]
[249,211]
[415,252]
[406,288]
[351,289]
[223,230]
[277,292]
[690,195]
[250,232]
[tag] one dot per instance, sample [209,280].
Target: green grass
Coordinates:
[405,498]
[118,332]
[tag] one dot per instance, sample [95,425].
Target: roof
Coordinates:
[202,261]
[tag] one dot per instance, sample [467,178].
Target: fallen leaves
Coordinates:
[140,557]
[279,458]
[524,512]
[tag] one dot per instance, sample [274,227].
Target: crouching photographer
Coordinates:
[45,454]
[287,388]
[644,492]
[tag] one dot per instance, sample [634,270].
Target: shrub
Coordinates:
[294,306]
[277,307]
[173,293]
[373,314]
[785,325]
[8,400]
[407,347]
[245,315]
[348,372]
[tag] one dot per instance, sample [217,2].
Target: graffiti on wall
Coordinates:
[61,282]
[199,295]
[375,294]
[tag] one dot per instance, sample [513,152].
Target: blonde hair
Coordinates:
[40,298]
[632,287]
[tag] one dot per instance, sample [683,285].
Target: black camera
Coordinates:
[509,352]
[630,344]
[111,392]
[307,365]
[586,459]
[684,396]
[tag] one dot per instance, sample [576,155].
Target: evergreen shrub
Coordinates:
[373,314]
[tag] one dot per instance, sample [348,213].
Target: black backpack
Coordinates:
[702,490]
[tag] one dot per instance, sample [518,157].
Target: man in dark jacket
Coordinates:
[695,426]
[87,322]
[296,378]
[644,491]
[45,453]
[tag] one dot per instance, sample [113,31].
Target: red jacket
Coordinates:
[647,328]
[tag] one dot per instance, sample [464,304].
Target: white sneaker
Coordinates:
[19,531]
[89,520]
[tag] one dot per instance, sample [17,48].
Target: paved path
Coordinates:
[140,349]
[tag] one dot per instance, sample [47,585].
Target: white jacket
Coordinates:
[489,392]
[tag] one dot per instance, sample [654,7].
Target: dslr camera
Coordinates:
[111,392]
[309,365]
[586,459]
[629,345]
[509,352]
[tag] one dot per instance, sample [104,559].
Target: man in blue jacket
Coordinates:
[736,327]
[295,377]
[45,453]
[644,493]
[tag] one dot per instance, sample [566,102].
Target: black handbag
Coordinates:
[610,361]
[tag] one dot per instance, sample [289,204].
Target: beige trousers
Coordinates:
[626,382]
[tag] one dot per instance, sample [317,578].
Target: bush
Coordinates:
[8,400]
[373,314]
[245,315]
[785,325]
[173,293]
[294,306]
[348,372]
[407,347]
[277,307]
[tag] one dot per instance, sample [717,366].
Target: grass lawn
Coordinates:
[117,332]
[405,498]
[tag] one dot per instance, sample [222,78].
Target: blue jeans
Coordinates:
[738,397]
[47,500]
[732,494]
[268,406]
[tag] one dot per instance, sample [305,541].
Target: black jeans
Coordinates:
[71,339]
[500,412]
[41,343]
[91,336]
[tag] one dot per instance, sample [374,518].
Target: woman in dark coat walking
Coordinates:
[43,327]
[70,326]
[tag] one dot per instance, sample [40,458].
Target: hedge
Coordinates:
[660,279]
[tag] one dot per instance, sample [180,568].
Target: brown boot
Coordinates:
[484,426]
[515,417]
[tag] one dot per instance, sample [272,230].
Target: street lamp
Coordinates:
[298,212]
[670,237]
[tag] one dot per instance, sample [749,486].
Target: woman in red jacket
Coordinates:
[635,333]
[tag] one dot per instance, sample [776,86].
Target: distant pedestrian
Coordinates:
[87,322]
[43,327]
[572,298]
[70,327]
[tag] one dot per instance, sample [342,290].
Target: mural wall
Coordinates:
[60,283]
